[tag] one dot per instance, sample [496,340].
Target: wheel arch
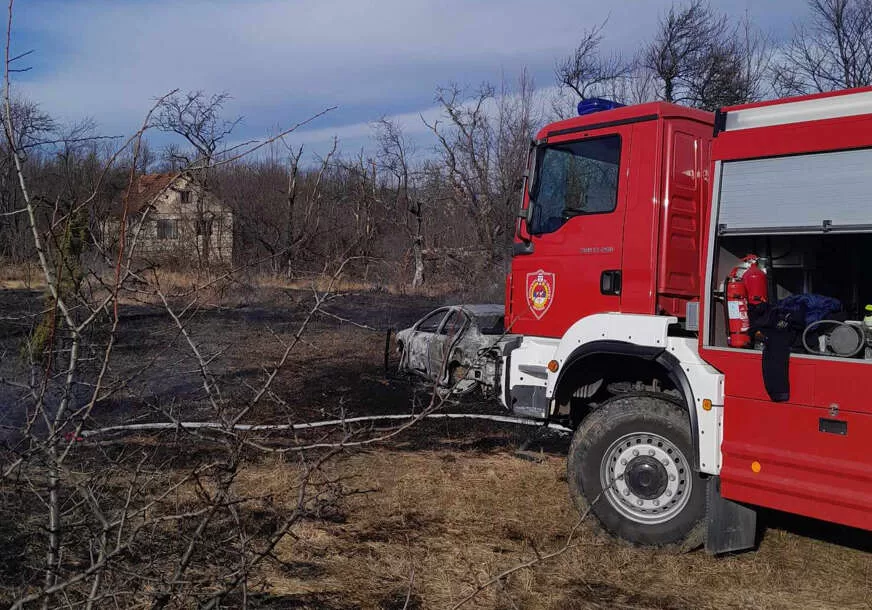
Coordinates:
[586,355]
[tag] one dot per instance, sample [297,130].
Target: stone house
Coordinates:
[173,219]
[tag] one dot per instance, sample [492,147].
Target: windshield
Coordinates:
[572,179]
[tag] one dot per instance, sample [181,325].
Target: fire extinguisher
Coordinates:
[738,334]
[755,280]
[746,284]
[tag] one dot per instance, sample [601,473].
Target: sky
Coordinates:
[283,61]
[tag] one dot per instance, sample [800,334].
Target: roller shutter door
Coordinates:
[809,193]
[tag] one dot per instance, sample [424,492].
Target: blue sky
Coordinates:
[282,61]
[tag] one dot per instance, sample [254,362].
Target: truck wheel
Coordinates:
[634,454]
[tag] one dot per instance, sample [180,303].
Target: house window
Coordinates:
[204,226]
[186,196]
[168,228]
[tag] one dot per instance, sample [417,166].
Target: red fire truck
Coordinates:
[689,290]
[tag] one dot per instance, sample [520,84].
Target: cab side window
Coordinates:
[574,179]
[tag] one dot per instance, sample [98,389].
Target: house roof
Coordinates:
[147,188]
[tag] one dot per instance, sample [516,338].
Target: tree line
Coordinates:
[403,213]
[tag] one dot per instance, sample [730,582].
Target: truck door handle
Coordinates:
[610,282]
[833,426]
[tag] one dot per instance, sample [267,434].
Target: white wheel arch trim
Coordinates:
[705,381]
[649,331]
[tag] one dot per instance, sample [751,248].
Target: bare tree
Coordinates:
[756,52]
[683,38]
[700,58]
[482,144]
[33,126]
[832,51]
[588,73]
[517,118]
[636,87]
[277,205]
[360,199]
[196,117]
[302,221]
[466,139]
[396,157]
[122,524]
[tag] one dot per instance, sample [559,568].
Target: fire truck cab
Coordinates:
[693,400]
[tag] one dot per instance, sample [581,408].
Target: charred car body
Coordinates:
[456,346]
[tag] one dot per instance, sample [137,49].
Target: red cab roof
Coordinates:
[624,115]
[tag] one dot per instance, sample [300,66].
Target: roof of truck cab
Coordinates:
[624,115]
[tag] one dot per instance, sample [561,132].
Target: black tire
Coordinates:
[606,442]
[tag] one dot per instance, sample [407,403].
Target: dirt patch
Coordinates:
[583,595]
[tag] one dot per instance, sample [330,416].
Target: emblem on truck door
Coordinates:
[540,292]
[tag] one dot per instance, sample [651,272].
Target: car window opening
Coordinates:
[431,323]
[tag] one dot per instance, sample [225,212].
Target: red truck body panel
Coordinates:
[776,454]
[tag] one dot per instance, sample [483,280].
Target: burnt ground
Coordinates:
[447,503]
[336,368]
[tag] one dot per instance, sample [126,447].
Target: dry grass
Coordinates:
[223,286]
[457,518]
[20,276]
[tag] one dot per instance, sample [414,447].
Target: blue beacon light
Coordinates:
[596,104]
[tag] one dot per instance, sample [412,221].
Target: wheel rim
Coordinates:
[646,478]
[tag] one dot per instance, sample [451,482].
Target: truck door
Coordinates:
[577,200]
[808,453]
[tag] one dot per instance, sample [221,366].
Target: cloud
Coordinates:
[355,136]
[285,60]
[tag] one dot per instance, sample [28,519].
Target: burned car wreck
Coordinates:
[455,346]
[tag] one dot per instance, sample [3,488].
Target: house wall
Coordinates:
[171,228]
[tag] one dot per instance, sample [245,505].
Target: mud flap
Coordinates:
[529,401]
[730,526]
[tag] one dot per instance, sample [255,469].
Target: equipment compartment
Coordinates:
[834,265]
